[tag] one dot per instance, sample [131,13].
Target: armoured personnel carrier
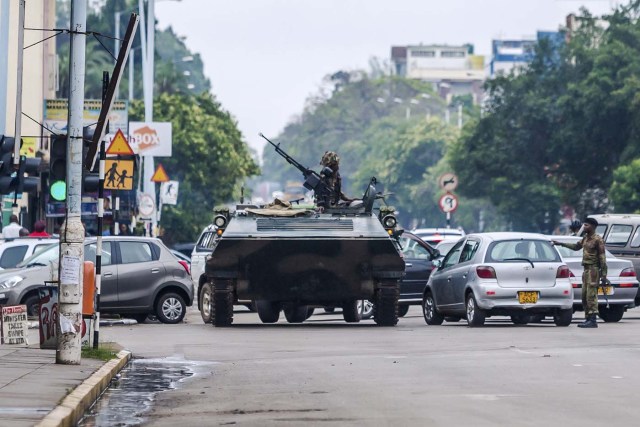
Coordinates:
[291,259]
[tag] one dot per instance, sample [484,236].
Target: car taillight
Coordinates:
[563,272]
[628,272]
[485,272]
[185,264]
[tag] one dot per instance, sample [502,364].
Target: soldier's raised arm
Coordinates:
[573,246]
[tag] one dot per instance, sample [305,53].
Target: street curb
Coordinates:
[74,406]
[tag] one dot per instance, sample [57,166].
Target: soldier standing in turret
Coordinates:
[331,160]
[594,261]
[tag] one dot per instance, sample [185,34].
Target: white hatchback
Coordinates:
[13,252]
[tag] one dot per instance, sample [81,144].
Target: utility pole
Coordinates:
[18,129]
[70,269]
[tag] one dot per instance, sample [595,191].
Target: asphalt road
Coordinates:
[327,372]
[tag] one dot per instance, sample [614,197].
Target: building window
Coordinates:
[452,54]
[423,53]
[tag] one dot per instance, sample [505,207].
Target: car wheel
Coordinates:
[520,319]
[33,305]
[205,302]
[296,313]
[612,314]
[403,310]
[171,308]
[268,311]
[365,308]
[430,312]
[563,317]
[351,311]
[475,315]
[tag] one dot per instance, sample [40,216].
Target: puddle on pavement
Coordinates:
[131,395]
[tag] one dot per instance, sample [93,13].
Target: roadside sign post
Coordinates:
[160,175]
[448,202]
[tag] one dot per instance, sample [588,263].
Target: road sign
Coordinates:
[448,203]
[169,192]
[118,174]
[160,175]
[146,205]
[448,181]
[119,145]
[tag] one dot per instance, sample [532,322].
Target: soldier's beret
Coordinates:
[591,221]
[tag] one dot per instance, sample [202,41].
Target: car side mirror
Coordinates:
[435,254]
[437,263]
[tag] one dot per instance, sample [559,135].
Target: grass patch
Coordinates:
[105,351]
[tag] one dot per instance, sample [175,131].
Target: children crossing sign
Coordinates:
[118,174]
[119,145]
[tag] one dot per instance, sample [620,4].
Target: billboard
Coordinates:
[150,139]
[56,114]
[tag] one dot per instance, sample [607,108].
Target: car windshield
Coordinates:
[522,249]
[444,247]
[42,257]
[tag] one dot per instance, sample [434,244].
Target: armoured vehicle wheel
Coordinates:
[563,317]
[310,311]
[430,312]
[403,310]
[296,313]
[329,309]
[268,312]
[612,314]
[351,311]
[475,315]
[222,305]
[205,302]
[385,305]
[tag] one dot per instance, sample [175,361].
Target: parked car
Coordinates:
[621,234]
[204,246]
[139,277]
[500,274]
[13,252]
[184,248]
[612,300]
[433,236]
[418,258]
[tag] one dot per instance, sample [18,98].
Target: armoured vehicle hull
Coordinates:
[292,264]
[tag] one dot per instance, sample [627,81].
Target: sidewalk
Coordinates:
[32,385]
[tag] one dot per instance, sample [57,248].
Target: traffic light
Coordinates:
[29,166]
[8,180]
[90,179]
[58,168]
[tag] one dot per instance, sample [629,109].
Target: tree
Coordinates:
[625,190]
[209,159]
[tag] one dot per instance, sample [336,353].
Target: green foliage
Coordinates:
[209,158]
[172,73]
[553,133]
[625,190]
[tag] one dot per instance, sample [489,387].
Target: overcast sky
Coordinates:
[265,57]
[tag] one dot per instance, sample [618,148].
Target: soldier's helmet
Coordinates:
[330,158]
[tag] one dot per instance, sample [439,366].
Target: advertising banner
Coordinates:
[56,114]
[151,139]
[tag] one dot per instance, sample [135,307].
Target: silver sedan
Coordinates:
[499,274]
[612,300]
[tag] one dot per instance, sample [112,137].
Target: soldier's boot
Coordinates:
[590,322]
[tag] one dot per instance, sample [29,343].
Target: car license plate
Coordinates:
[527,297]
[605,290]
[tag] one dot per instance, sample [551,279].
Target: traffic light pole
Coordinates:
[70,269]
[18,127]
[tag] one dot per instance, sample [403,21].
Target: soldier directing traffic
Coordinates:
[594,261]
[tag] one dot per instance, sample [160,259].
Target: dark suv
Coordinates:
[140,276]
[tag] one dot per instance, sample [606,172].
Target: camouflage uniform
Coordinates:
[331,160]
[594,261]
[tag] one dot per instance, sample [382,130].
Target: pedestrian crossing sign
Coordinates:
[118,174]
[119,145]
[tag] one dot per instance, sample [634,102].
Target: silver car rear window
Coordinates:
[619,234]
[532,250]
